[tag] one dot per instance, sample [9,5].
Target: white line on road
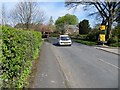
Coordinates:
[109,63]
[52,81]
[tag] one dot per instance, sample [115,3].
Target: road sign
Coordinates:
[102,37]
[102,33]
[102,27]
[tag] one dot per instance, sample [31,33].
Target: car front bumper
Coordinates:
[65,43]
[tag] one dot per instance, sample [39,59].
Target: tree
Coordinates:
[27,13]
[68,19]
[4,22]
[106,9]
[118,15]
[51,24]
[51,21]
[84,27]
[116,30]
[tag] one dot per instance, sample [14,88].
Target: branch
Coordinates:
[104,13]
[105,5]
[118,3]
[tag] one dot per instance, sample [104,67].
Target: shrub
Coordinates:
[82,37]
[113,41]
[79,37]
[93,35]
[19,48]
[53,35]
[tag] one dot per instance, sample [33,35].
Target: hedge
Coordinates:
[19,49]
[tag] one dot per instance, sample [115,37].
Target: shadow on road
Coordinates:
[57,45]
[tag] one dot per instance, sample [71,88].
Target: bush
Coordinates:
[79,37]
[115,44]
[113,41]
[82,37]
[19,48]
[55,34]
[93,35]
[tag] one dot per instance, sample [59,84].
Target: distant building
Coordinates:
[71,29]
[44,29]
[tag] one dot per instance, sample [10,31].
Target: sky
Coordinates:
[56,8]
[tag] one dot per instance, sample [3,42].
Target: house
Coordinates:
[44,29]
[71,29]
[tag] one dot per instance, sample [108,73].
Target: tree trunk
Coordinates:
[109,28]
[27,26]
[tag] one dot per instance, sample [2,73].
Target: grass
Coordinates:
[90,43]
[113,42]
[115,45]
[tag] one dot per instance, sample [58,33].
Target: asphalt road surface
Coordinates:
[76,66]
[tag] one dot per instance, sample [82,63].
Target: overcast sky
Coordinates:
[56,8]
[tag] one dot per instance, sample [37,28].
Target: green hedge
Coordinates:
[19,49]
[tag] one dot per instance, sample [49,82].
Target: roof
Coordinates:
[63,35]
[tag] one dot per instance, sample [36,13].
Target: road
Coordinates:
[78,66]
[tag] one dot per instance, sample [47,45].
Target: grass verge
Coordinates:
[85,42]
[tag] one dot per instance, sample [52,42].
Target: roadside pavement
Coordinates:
[49,74]
[106,48]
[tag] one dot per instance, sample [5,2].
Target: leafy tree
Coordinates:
[84,27]
[106,9]
[116,30]
[68,19]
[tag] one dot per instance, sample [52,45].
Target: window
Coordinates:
[65,38]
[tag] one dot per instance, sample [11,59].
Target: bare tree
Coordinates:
[106,9]
[51,21]
[3,14]
[27,14]
[118,15]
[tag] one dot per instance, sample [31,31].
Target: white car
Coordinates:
[64,40]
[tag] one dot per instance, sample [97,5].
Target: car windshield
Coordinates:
[65,38]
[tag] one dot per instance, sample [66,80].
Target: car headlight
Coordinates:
[60,41]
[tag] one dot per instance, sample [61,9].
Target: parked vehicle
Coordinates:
[64,40]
